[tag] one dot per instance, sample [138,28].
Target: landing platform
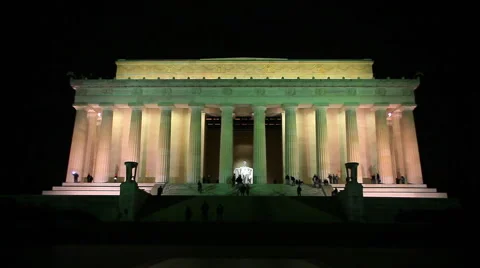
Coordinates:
[369,190]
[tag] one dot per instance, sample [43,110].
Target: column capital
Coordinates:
[135,106]
[80,107]
[408,107]
[380,107]
[351,106]
[226,107]
[259,107]
[320,106]
[289,106]
[196,104]
[106,106]
[165,105]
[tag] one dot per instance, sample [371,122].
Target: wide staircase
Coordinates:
[97,188]
[397,190]
[255,190]
[369,190]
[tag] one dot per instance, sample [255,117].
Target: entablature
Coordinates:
[364,91]
[382,83]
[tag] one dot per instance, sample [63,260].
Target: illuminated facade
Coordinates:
[332,112]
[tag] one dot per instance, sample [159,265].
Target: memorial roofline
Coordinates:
[122,61]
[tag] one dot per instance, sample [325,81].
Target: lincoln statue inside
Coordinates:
[182,120]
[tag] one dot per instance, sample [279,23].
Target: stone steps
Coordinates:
[397,190]
[368,185]
[97,188]
[369,190]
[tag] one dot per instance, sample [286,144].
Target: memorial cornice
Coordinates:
[237,91]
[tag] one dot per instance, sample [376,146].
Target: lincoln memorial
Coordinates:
[184,120]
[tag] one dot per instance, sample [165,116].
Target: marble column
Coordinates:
[397,139]
[384,154]
[291,143]
[353,143]
[92,117]
[135,134]
[79,140]
[194,145]
[283,146]
[102,165]
[259,145]
[321,132]
[163,164]
[392,148]
[202,150]
[226,145]
[410,147]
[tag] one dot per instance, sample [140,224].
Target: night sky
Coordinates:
[402,40]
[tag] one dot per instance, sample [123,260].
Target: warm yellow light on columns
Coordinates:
[194,145]
[135,134]
[226,145]
[353,143]
[102,165]
[323,159]
[410,146]
[259,145]
[164,141]
[291,143]
[90,144]
[384,156]
[79,140]
[397,138]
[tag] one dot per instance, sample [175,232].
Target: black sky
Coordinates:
[401,39]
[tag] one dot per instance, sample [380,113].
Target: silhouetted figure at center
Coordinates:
[299,191]
[188,214]
[242,189]
[219,212]
[205,209]
[89,178]
[160,191]
[239,179]
[199,187]
[335,191]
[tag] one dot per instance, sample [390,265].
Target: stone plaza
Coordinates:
[155,112]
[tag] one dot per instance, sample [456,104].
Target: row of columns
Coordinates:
[406,152]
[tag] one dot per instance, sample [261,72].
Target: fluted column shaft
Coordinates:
[102,165]
[135,134]
[321,131]
[410,146]
[226,145]
[291,143]
[194,147]
[89,146]
[384,155]
[353,144]
[397,137]
[259,145]
[77,148]
[163,164]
